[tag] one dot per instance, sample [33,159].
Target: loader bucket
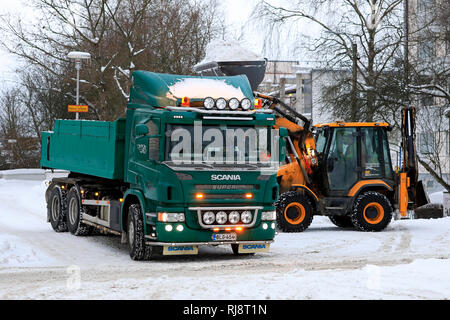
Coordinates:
[421,195]
[254,70]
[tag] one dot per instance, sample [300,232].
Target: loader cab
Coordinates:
[350,153]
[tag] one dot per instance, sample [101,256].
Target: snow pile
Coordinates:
[437,197]
[202,88]
[17,253]
[220,50]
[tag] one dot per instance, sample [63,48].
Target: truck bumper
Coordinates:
[183,240]
[191,248]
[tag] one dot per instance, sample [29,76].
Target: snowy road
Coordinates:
[409,260]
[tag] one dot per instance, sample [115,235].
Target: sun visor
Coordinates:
[160,90]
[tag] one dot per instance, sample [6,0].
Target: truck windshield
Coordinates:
[220,146]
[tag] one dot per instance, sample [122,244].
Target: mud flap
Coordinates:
[253,247]
[180,250]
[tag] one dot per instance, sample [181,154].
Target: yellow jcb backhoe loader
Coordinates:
[343,170]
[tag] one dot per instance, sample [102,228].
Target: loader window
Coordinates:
[388,173]
[371,153]
[321,140]
[342,159]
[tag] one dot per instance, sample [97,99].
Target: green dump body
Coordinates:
[90,147]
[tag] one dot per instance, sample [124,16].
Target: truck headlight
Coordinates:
[246,103]
[233,217]
[209,103]
[269,215]
[233,103]
[246,217]
[209,217]
[170,217]
[221,103]
[221,217]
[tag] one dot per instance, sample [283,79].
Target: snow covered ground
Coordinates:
[409,260]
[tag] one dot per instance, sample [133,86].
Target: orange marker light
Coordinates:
[228,229]
[239,229]
[258,103]
[185,102]
[199,196]
[249,195]
[216,229]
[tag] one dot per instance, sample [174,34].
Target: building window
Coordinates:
[426,49]
[426,100]
[426,142]
[447,143]
[425,6]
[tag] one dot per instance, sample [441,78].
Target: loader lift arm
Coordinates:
[411,193]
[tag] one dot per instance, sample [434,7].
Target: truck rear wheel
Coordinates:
[139,251]
[372,211]
[342,221]
[294,212]
[73,216]
[56,208]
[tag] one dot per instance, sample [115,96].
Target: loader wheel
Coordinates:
[74,215]
[139,251]
[342,221]
[294,212]
[56,208]
[372,211]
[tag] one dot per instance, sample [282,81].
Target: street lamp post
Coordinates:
[78,57]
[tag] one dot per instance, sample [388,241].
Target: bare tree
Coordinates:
[121,36]
[373,26]
[18,149]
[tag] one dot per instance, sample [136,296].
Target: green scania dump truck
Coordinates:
[193,163]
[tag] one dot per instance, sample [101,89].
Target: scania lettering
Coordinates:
[225,177]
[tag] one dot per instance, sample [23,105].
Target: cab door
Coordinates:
[342,159]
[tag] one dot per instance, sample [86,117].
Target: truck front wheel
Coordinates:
[56,209]
[74,217]
[139,251]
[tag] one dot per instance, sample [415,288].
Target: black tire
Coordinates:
[372,211]
[139,251]
[294,212]
[342,221]
[74,211]
[235,248]
[56,209]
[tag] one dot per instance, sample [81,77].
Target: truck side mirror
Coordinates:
[283,132]
[140,130]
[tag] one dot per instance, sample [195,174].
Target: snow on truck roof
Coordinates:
[220,50]
[160,89]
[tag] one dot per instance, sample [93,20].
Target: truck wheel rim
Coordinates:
[73,211]
[55,208]
[294,213]
[373,213]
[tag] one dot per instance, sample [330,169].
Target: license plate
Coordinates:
[224,236]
